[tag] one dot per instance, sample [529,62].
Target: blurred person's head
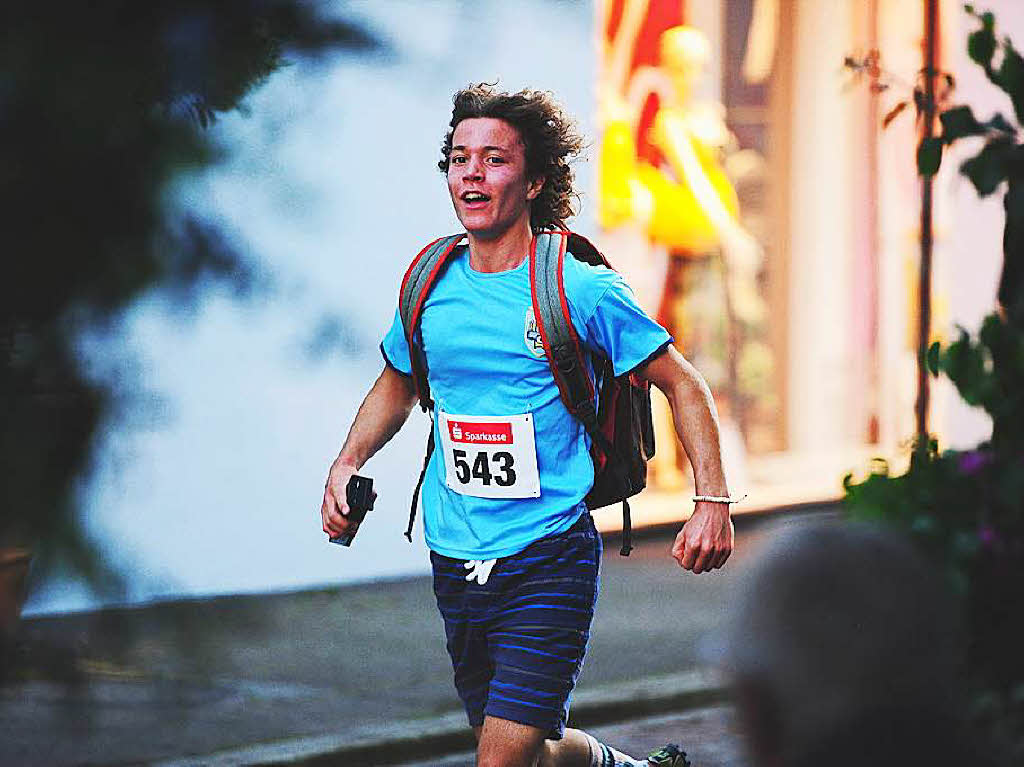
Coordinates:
[543,142]
[842,642]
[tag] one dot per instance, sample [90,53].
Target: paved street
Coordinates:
[323,672]
[708,735]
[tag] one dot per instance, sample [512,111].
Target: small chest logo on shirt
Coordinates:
[531,335]
[498,433]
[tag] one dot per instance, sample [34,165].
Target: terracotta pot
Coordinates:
[14,563]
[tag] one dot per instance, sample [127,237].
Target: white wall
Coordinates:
[899,205]
[967,250]
[970,238]
[821,231]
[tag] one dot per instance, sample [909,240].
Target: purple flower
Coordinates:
[987,535]
[973,461]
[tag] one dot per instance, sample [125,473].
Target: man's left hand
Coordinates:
[706,540]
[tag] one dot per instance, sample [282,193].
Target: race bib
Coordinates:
[490,456]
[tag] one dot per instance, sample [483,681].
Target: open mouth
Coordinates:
[475,197]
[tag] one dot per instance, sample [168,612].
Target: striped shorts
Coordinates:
[517,640]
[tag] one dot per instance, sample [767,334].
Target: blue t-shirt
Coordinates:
[485,358]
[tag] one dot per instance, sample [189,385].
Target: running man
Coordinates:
[516,572]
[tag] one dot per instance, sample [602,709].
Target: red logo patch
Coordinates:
[480,433]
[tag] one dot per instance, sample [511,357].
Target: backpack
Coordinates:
[620,427]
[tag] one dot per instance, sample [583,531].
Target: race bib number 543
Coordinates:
[490,456]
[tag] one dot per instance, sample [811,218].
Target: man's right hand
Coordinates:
[334,509]
[379,418]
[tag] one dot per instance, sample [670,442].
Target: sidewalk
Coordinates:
[348,675]
[711,736]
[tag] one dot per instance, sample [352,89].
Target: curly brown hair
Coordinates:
[548,134]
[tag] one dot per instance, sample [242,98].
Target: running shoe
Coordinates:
[669,756]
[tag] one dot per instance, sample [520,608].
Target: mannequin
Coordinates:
[667,203]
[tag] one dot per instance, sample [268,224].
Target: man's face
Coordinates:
[487,177]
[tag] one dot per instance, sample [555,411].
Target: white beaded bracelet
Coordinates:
[718,498]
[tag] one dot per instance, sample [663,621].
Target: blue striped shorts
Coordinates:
[517,641]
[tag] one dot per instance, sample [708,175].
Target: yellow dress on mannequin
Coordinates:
[686,205]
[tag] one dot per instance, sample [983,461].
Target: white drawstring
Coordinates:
[480,569]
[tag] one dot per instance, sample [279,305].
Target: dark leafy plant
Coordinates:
[1001,158]
[102,108]
[966,508]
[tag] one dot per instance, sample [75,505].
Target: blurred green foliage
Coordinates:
[102,108]
[966,508]
[1001,158]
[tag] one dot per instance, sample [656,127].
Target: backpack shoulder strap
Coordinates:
[562,346]
[416,285]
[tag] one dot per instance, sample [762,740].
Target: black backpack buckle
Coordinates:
[565,358]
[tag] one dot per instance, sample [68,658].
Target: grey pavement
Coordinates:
[709,735]
[347,675]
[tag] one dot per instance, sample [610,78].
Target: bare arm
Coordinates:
[384,410]
[706,540]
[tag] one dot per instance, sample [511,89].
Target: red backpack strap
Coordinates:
[565,353]
[416,285]
[562,346]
